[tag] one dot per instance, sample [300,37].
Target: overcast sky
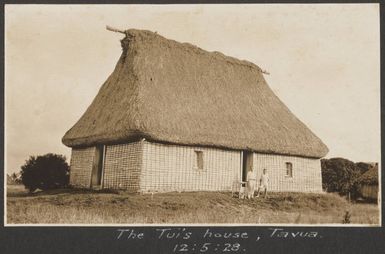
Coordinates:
[324,64]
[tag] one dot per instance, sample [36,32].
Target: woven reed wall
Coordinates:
[174,168]
[306,172]
[81,166]
[158,167]
[370,191]
[122,166]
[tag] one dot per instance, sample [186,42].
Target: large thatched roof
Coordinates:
[174,92]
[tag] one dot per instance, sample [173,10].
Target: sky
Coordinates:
[323,60]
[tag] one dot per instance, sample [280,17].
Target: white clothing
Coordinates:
[265,180]
[251,184]
[251,176]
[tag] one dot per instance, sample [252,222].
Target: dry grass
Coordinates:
[97,207]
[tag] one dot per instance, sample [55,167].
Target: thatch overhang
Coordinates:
[177,93]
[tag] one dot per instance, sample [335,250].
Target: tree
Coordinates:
[340,175]
[45,172]
[363,167]
[9,179]
[15,178]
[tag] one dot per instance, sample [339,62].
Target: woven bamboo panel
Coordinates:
[175,168]
[306,172]
[370,191]
[81,166]
[122,166]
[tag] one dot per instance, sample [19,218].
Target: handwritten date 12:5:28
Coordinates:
[202,248]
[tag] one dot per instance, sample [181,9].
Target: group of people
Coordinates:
[252,183]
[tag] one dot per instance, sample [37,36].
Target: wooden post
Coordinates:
[109,28]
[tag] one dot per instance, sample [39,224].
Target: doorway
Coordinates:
[247,163]
[97,168]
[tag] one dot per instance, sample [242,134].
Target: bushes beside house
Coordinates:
[346,177]
[45,172]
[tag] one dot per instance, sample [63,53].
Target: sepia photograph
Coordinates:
[194,114]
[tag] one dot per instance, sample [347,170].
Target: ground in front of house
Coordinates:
[74,206]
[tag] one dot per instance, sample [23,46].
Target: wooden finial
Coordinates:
[109,28]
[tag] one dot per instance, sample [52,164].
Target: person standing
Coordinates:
[251,183]
[263,183]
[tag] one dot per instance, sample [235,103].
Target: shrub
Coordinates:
[15,178]
[346,218]
[45,172]
[340,175]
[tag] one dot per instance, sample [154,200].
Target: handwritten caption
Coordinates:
[184,240]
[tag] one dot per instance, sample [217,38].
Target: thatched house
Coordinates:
[173,117]
[369,183]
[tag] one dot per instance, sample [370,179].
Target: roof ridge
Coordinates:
[132,33]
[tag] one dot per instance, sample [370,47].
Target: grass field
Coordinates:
[74,206]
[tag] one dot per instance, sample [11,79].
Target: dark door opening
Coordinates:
[247,163]
[97,169]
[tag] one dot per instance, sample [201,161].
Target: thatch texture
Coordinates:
[370,177]
[174,92]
